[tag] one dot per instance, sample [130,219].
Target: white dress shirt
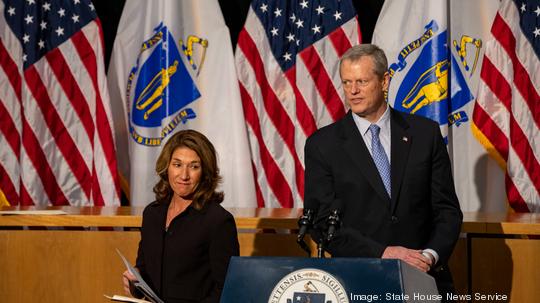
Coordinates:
[384,134]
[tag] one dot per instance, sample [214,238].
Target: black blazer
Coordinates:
[188,262]
[424,210]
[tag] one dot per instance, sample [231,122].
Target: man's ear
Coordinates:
[386,81]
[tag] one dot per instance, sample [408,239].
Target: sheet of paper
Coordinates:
[140,283]
[126,299]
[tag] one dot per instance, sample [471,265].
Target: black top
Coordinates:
[188,262]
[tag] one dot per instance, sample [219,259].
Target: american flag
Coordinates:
[55,122]
[507,110]
[287,63]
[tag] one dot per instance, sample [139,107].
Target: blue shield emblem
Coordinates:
[434,86]
[159,88]
[424,90]
[164,85]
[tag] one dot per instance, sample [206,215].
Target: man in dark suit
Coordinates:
[387,172]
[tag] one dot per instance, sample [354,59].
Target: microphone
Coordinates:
[304,223]
[333,222]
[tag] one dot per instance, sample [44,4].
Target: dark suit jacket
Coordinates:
[424,210]
[188,262]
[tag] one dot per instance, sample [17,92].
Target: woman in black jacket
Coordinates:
[187,238]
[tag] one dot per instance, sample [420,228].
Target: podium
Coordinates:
[334,280]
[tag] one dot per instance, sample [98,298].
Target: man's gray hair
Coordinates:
[370,50]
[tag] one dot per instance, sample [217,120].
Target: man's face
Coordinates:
[364,90]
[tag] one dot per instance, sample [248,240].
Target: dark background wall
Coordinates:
[234,12]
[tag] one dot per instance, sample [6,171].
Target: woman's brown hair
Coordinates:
[210,178]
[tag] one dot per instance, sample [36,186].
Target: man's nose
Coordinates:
[355,88]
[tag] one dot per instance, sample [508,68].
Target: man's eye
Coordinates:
[362,82]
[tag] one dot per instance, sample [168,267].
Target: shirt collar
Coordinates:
[363,124]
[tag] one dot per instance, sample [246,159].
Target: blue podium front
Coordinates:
[333,280]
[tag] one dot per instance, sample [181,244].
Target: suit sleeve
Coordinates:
[320,194]
[223,246]
[447,215]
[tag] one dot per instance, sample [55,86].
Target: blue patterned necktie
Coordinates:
[380,158]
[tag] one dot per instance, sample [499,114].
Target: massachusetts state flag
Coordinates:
[414,35]
[435,50]
[172,68]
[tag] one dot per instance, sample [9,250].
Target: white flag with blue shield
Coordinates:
[434,50]
[172,68]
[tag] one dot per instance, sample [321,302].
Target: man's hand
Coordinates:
[413,257]
[127,277]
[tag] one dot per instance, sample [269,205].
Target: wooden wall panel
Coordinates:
[506,266]
[63,266]
[81,266]
[458,266]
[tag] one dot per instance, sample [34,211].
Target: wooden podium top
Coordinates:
[501,223]
[123,216]
[246,218]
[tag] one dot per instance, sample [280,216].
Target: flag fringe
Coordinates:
[491,150]
[3,199]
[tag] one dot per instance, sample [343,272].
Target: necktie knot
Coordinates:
[374,129]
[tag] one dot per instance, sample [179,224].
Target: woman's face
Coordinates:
[184,171]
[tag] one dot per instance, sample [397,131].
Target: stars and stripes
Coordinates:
[286,58]
[55,129]
[507,111]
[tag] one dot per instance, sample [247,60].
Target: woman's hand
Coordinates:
[128,277]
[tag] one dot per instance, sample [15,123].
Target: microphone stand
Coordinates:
[304,223]
[320,248]
[333,222]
